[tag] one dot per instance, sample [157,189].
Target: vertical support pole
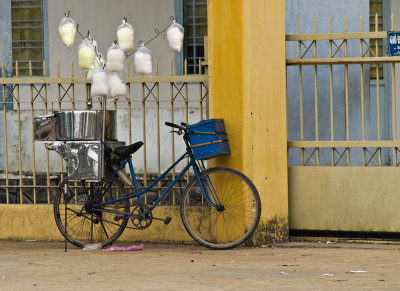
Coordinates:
[144,97]
[346,80]
[172,99]
[157,97]
[103,138]
[378,99]
[362,95]
[316,93]
[129,99]
[394,105]
[5,98]
[32,137]
[21,181]
[300,92]
[331,94]
[65,208]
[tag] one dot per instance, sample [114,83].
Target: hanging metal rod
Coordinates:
[156,31]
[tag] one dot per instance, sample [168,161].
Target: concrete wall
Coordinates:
[101,18]
[37,222]
[344,198]
[248,89]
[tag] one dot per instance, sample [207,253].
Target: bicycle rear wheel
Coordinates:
[235,215]
[84,225]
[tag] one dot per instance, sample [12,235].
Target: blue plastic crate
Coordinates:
[208,139]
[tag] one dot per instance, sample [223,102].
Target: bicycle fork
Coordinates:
[208,189]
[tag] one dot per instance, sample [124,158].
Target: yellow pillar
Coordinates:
[246,48]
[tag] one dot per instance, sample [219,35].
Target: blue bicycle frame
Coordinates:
[206,188]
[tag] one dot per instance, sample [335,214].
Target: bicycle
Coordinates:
[220,207]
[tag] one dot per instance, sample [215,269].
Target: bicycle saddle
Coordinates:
[126,151]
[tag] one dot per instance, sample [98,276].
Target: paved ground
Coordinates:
[289,266]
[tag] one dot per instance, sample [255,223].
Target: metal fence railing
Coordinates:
[31,174]
[341,113]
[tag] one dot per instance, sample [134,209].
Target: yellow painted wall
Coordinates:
[225,74]
[344,198]
[37,222]
[247,68]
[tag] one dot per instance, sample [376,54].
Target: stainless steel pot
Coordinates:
[85,125]
[44,127]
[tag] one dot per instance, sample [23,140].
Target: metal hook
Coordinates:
[125,19]
[67,14]
[172,18]
[157,32]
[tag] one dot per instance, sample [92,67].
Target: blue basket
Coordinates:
[208,139]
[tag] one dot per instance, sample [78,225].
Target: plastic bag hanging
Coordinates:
[175,36]
[67,31]
[125,36]
[115,59]
[86,54]
[99,63]
[100,83]
[117,87]
[142,60]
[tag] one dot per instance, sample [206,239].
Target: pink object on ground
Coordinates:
[130,248]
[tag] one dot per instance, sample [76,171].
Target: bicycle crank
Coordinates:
[141,216]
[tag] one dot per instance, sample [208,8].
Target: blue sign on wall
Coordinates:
[394,43]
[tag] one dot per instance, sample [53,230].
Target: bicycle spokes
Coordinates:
[229,212]
[86,224]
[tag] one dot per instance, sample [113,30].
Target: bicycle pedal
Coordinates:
[167,220]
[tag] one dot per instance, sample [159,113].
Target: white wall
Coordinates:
[101,18]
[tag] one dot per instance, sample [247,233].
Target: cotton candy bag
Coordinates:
[117,87]
[175,36]
[125,36]
[100,83]
[86,54]
[142,60]
[115,59]
[99,63]
[67,31]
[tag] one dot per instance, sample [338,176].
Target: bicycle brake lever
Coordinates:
[179,132]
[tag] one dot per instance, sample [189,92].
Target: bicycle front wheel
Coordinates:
[228,213]
[85,225]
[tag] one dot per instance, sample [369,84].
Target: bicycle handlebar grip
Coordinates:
[173,125]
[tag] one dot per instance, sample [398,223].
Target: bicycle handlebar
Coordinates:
[174,125]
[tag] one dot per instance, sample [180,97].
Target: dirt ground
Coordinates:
[27,265]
